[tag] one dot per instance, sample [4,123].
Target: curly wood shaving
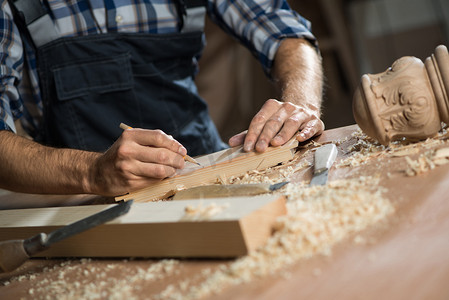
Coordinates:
[203,213]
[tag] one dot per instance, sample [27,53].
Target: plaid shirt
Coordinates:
[260,25]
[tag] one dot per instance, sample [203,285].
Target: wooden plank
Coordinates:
[155,229]
[222,164]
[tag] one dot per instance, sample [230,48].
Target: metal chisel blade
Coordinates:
[324,158]
[319,179]
[89,222]
[43,241]
[277,186]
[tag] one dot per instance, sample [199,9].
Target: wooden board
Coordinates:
[222,164]
[155,229]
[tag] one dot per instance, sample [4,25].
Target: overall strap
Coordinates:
[193,14]
[33,19]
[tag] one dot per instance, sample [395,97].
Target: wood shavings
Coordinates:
[427,161]
[318,217]
[441,161]
[365,149]
[174,191]
[275,174]
[441,153]
[342,141]
[362,151]
[404,152]
[94,281]
[203,213]
[221,179]
[422,165]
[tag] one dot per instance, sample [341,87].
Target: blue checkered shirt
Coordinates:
[260,25]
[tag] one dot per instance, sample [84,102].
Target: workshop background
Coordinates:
[355,37]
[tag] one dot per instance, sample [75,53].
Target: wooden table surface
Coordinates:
[406,259]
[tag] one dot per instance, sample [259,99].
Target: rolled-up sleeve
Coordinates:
[260,25]
[11,65]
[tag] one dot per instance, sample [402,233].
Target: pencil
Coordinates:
[186,157]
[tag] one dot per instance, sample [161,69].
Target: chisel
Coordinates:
[14,253]
[324,158]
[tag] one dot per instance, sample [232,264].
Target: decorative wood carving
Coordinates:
[408,100]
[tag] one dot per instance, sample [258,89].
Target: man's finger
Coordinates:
[150,170]
[290,128]
[255,128]
[237,139]
[312,128]
[258,123]
[154,138]
[134,169]
[275,125]
[159,156]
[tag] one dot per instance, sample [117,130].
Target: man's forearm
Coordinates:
[137,159]
[32,168]
[297,72]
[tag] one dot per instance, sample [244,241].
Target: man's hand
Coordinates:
[138,158]
[297,72]
[276,123]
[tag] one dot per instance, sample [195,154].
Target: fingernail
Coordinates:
[248,147]
[261,145]
[231,141]
[277,140]
[182,150]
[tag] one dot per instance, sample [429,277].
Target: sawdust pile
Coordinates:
[318,218]
[94,282]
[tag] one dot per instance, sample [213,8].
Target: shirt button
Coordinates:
[119,19]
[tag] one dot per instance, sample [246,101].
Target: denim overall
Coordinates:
[90,84]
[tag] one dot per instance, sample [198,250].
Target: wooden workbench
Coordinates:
[405,258]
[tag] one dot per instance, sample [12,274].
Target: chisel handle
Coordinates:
[12,255]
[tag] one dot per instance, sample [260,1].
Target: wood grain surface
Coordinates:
[403,258]
[222,164]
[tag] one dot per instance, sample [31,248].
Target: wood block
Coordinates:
[222,164]
[155,229]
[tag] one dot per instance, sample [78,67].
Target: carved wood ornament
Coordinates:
[409,100]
